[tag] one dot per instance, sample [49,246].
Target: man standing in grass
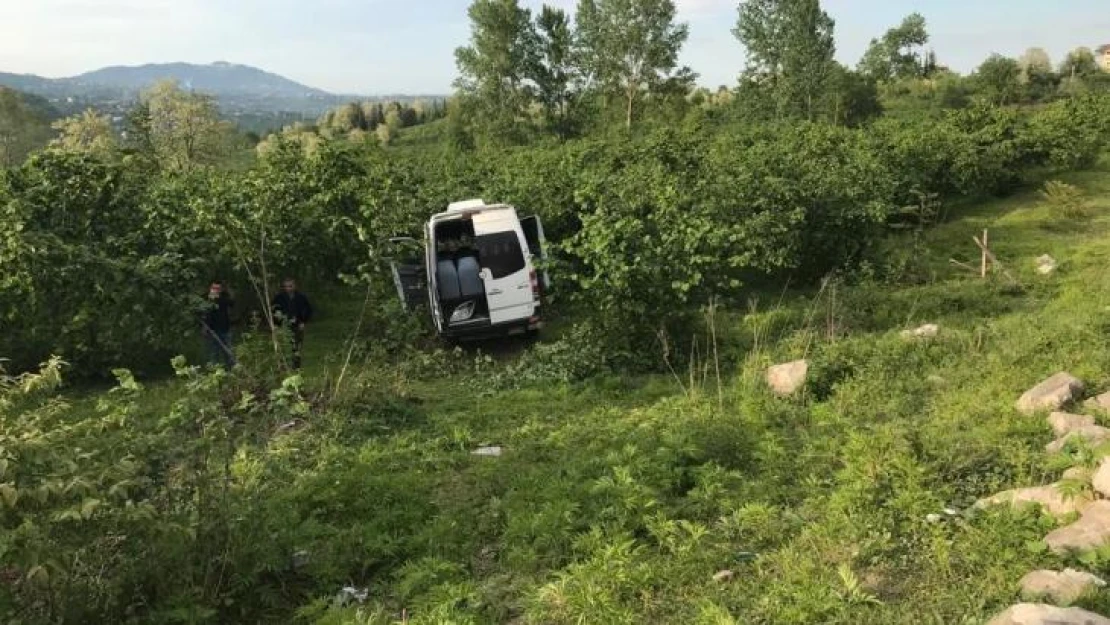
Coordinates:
[292,309]
[216,325]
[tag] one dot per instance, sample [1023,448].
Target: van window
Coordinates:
[500,253]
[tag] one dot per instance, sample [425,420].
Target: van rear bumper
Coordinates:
[508,328]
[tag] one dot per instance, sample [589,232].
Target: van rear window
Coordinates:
[500,252]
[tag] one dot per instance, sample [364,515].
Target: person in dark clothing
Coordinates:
[292,309]
[216,325]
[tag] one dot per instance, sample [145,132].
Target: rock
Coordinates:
[494,451]
[1041,614]
[926,331]
[1102,402]
[1051,394]
[787,378]
[349,594]
[1082,474]
[1091,531]
[1101,479]
[932,517]
[1048,497]
[1060,588]
[723,576]
[1046,265]
[285,427]
[1064,422]
[1089,434]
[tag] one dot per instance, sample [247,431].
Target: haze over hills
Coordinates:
[254,97]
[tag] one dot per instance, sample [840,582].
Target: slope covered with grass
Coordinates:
[618,501]
[615,500]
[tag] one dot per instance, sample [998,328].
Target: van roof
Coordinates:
[456,210]
[466,204]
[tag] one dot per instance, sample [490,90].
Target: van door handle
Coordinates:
[521,287]
[495,292]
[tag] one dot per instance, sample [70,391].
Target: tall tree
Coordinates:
[388,129]
[349,117]
[1035,60]
[554,70]
[22,128]
[369,111]
[899,54]
[1079,63]
[629,48]
[790,52]
[185,127]
[852,98]
[998,79]
[88,132]
[1037,74]
[373,113]
[494,68]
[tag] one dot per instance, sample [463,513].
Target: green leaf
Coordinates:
[88,508]
[1036,546]
[9,494]
[38,574]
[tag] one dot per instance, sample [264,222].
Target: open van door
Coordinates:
[504,265]
[411,283]
[533,233]
[409,275]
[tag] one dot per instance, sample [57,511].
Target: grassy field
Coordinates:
[618,499]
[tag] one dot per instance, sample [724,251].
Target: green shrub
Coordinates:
[1066,200]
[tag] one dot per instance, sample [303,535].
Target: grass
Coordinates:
[616,500]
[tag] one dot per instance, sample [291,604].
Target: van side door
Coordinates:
[504,264]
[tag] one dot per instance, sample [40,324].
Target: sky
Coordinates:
[389,47]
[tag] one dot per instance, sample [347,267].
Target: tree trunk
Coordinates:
[628,112]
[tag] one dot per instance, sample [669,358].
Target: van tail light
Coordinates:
[535,285]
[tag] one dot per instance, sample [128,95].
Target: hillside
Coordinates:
[694,498]
[778,381]
[219,78]
[255,98]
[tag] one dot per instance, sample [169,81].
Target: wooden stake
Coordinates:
[989,256]
[983,265]
[963,265]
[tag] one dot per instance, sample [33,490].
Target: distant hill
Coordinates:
[247,94]
[217,78]
[35,105]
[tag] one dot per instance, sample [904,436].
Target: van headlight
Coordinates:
[463,312]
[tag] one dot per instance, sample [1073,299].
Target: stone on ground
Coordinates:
[1101,479]
[1091,531]
[1048,497]
[723,576]
[1051,394]
[1064,422]
[1102,402]
[1083,474]
[1046,265]
[1062,588]
[1041,614]
[927,331]
[1089,434]
[787,378]
[487,451]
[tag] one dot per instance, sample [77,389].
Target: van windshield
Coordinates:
[500,253]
